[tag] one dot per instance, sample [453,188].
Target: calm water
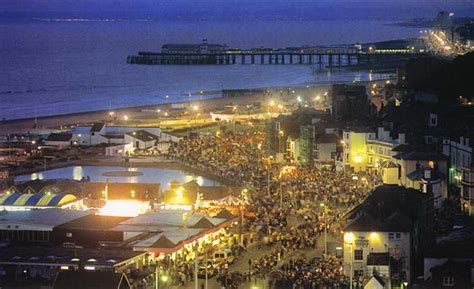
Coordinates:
[58,63]
[150,175]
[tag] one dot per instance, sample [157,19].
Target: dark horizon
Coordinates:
[217,9]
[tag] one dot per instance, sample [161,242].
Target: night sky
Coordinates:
[160,6]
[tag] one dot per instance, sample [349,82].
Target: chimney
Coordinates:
[380,132]
[427,174]
[401,138]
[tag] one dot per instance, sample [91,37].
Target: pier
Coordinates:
[327,56]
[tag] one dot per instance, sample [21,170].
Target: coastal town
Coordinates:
[348,185]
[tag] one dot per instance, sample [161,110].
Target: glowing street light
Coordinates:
[324,207]
[125,117]
[358,158]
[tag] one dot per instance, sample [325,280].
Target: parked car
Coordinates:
[211,270]
[224,256]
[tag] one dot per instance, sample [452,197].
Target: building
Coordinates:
[121,150]
[355,148]
[448,251]
[375,282]
[60,140]
[90,231]
[122,191]
[444,21]
[306,141]
[21,201]
[326,150]
[191,195]
[392,219]
[450,274]
[349,102]
[203,48]
[424,171]
[100,133]
[34,225]
[467,190]
[460,156]
[366,150]
[91,280]
[42,264]
[141,139]
[173,233]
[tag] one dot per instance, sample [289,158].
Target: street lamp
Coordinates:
[280,135]
[325,229]
[163,278]
[348,239]
[268,173]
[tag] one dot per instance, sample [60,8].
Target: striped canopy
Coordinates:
[36,200]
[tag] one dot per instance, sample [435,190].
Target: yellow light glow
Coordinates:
[125,117]
[124,208]
[358,158]
[272,103]
[179,193]
[374,236]
[349,237]
[164,278]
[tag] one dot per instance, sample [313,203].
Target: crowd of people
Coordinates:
[281,194]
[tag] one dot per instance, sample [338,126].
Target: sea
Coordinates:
[56,63]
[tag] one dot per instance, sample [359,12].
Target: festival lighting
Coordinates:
[358,158]
[349,237]
[124,208]
[374,237]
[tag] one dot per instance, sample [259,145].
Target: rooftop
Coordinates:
[36,200]
[41,217]
[97,127]
[59,137]
[389,208]
[65,256]
[143,135]
[93,223]
[90,280]
[421,156]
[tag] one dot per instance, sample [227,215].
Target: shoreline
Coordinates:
[45,124]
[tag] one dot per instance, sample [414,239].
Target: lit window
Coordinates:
[359,254]
[391,236]
[448,281]
[69,235]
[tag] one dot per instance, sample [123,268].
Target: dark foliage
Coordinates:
[447,79]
